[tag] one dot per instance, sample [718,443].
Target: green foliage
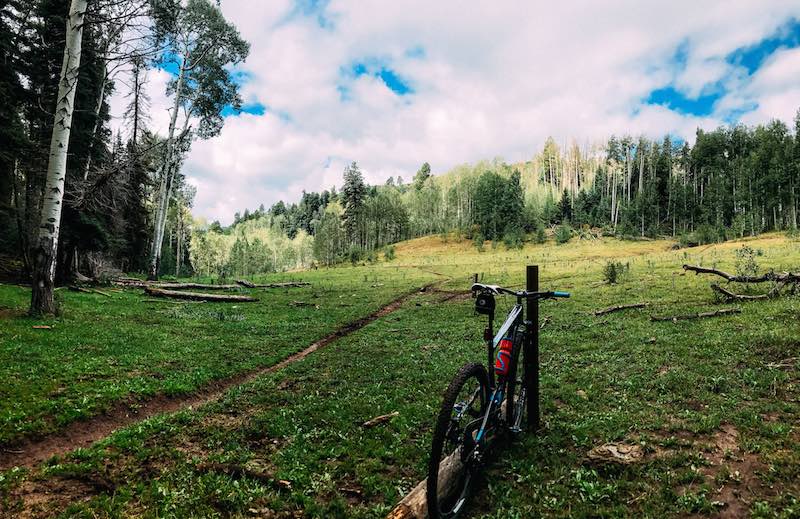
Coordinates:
[498,204]
[563,233]
[354,254]
[353,194]
[704,235]
[513,238]
[389,253]
[565,207]
[540,237]
[479,240]
[422,176]
[613,271]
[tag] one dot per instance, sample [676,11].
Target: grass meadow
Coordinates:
[710,404]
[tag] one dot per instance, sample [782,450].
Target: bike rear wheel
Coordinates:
[465,403]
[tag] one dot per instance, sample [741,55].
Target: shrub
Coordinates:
[746,264]
[709,234]
[541,237]
[354,254]
[563,233]
[372,257]
[513,238]
[389,253]
[613,271]
[479,240]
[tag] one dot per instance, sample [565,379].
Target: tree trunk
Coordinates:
[101,95]
[168,170]
[44,258]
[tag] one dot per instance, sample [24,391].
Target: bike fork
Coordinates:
[519,406]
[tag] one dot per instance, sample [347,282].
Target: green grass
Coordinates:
[672,388]
[103,351]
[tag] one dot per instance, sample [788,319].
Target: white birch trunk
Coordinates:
[168,171]
[47,243]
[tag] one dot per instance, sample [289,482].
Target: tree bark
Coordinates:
[44,257]
[168,171]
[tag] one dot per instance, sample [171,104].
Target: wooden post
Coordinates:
[531,348]
[474,280]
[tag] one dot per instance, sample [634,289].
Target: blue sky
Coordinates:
[395,84]
[745,61]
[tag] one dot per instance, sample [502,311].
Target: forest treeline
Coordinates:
[74,197]
[732,182]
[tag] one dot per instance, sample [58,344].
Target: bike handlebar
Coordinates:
[522,293]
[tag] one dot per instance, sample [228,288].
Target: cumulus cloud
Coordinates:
[484,80]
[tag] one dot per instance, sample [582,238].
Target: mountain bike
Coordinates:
[481,404]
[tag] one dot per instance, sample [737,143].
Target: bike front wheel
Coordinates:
[451,466]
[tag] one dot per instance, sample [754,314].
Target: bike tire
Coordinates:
[444,439]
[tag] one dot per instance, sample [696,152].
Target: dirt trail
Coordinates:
[82,434]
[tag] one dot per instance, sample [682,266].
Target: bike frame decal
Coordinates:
[513,315]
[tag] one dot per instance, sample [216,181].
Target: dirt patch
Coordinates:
[445,296]
[82,434]
[731,473]
[42,499]
[10,313]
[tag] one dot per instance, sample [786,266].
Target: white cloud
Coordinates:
[495,79]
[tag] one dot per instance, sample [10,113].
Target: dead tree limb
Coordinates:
[617,308]
[291,284]
[379,419]
[781,279]
[198,286]
[701,315]
[245,283]
[731,296]
[785,277]
[197,296]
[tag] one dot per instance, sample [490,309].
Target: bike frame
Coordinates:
[514,319]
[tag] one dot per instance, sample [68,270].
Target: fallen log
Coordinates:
[617,308]
[379,419]
[73,288]
[701,315]
[288,284]
[198,296]
[199,286]
[415,504]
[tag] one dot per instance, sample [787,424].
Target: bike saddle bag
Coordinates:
[484,304]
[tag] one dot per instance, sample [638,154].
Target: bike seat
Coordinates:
[479,287]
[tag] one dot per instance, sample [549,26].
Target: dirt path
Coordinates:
[82,434]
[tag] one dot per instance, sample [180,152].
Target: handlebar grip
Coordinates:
[560,294]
